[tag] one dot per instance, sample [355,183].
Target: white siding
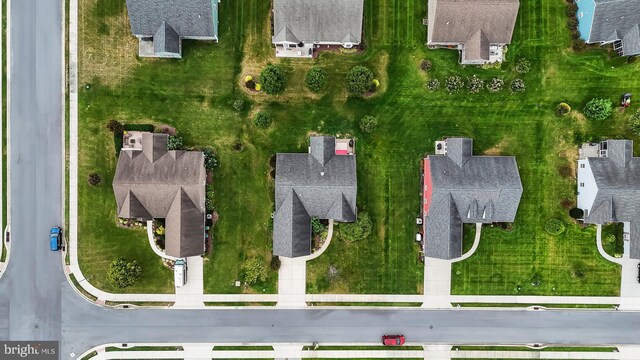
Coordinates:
[586,193]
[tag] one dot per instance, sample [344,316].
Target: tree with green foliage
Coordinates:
[523,66]
[368,123]
[316,79]
[359,80]
[210,160]
[123,274]
[433,84]
[495,85]
[175,143]
[115,126]
[273,79]
[358,230]
[255,270]
[262,119]
[475,84]
[634,123]
[598,109]
[554,226]
[563,109]
[518,86]
[453,84]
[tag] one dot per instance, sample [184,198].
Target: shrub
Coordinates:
[115,126]
[523,66]
[208,200]
[238,105]
[275,263]
[254,271]
[425,65]
[122,274]
[358,230]
[453,83]
[475,84]
[634,123]
[175,143]
[554,227]
[611,238]
[359,80]
[316,226]
[160,230]
[368,123]
[272,79]
[263,119]
[518,85]
[598,109]
[258,87]
[563,109]
[248,78]
[576,213]
[94,179]
[316,79]
[433,84]
[495,85]
[210,160]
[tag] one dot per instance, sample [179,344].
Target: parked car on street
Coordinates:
[55,238]
[393,340]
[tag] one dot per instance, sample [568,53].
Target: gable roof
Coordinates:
[320,185]
[311,21]
[192,18]
[170,185]
[467,189]
[166,40]
[617,20]
[472,22]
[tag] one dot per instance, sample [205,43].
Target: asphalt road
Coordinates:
[36,303]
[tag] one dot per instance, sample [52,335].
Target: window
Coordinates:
[581,184]
[581,166]
[580,15]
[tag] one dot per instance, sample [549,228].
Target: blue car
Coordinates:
[55,238]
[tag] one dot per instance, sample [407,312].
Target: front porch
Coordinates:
[295,51]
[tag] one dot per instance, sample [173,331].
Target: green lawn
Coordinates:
[195,94]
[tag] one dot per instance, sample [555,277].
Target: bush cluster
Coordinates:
[454,83]
[523,66]
[475,84]
[122,273]
[634,123]
[210,160]
[518,85]
[368,123]
[317,227]
[316,79]
[272,79]
[358,230]
[554,227]
[576,213]
[359,80]
[94,179]
[433,84]
[255,271]
[262,119]
[115,126]
[598,109]
[495,85]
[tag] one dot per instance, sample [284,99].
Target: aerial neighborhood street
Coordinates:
[345,179]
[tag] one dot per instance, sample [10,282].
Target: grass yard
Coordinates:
[195,94]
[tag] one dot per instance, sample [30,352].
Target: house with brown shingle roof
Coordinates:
[479,29]
[152,182]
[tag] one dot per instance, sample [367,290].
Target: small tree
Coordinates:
[523,66]
[634,123]
[453,84]
[210,160]
[262,119]
[316,79]
[598,109]
[475,84]
[359,80]
[272,79]
[495,85]
[518,85]
[255,271]
[563,109]
[358,230]
[122,274]
[368,123]
[554,227]
[238,105]
[94,179]
[175,143]
[425,65]
[115,126]
[433,84]
[576,213]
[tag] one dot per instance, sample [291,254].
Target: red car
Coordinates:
[393,340]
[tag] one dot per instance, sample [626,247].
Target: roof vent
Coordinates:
[321,173]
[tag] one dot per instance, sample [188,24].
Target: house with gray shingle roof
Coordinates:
[300,26]
[461,188]
[153,183]
[320,184]
[479,29]
[611,21]
[160,25]
[609,188]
